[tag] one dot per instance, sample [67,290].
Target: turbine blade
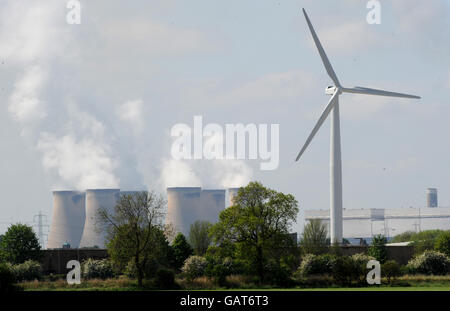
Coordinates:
[324,57]
[319,123]
[369,91]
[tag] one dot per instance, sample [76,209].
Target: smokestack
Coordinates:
[97,199]
[432,200]
[67,220]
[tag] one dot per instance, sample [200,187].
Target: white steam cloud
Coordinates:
[25,104]
[82,144]
[75,150]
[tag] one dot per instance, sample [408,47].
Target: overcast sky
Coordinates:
[92,105]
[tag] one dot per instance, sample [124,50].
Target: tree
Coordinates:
[442,243]
[20,244]
[422,241]
[135,232]
[404,237]
[391,269]
[378,249]
[199,237]
[314,237]
[181,250]
[258,223]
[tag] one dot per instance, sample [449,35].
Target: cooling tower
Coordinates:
[97,199]
[232,192]
[432,200]
[183,207]
[67,220]
[212,203]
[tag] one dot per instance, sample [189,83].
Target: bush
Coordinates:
[97,269]
[28,271]
[316,265]
[349,270]
[360,266]
[391,269]
[165,279]
[429,262]
[442,243]
[219,269]
[7,278]
[378,248]
[239,281]
[194,267]
[344,271]
[130,270]
[278,273]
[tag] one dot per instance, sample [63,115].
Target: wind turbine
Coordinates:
[335,139]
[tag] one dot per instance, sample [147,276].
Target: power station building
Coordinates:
[186,205]
[76,224]
[365,223]
[75,220]
[68,219]
[96,200]
[432,198]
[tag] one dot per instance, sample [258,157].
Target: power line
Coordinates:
[41,225]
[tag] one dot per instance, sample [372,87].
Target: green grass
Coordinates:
[405,283]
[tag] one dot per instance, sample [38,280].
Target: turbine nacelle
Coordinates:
[330,90]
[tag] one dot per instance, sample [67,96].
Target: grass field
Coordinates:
[405,283]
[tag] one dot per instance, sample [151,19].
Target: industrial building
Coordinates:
[365,223]
[68,219]
[432,198]
[97,199]
[75,220]
[186,205]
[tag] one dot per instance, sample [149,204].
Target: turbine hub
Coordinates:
[330,90]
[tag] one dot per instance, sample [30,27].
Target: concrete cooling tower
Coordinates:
[212,203]
[186,205]
[67,220]
[97,199]
[232,192]
[183,207]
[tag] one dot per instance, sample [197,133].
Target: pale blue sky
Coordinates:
[63,86]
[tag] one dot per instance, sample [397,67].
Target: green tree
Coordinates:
[136,232]
[199,237]
[314,237]
[20,244]
[422,241]
[442,243]
[404,237]
[258,224]
[181,250]
[378,248]
[391,270]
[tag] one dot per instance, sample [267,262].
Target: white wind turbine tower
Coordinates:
[335,141]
